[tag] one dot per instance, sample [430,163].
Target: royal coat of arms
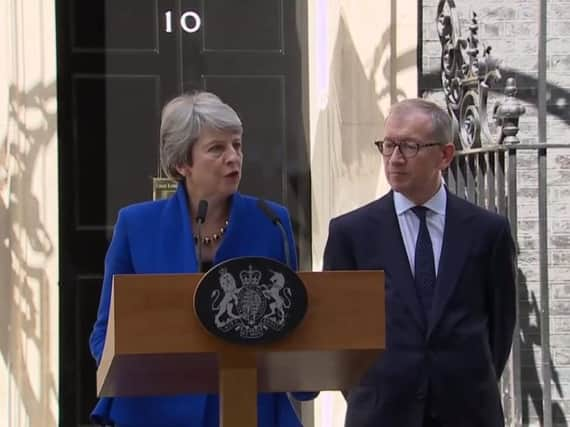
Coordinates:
[250,299]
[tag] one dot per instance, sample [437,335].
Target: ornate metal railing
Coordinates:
[484,170]
[467,78]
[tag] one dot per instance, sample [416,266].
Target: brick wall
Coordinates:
[511,28]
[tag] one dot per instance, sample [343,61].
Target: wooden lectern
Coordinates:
[156,345]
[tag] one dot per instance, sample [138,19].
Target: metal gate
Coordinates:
[484,171]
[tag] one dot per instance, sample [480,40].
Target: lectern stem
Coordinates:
[238,390]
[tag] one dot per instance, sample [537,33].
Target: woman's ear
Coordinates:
[183,170]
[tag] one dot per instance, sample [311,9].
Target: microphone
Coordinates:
[200,219]
[202,209]
[270,213]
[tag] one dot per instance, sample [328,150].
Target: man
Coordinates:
[450,285]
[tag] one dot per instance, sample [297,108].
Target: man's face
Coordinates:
[417,177]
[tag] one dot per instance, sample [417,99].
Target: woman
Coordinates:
[201,147]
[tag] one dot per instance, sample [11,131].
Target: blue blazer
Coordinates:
[156,237]
[449,363]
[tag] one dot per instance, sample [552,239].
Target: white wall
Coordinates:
[359,64]
[362,59]
[28,215]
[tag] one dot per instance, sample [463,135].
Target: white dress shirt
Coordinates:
[410,223]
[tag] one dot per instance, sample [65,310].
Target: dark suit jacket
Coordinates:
[447,364]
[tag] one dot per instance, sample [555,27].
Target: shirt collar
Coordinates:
[436,204]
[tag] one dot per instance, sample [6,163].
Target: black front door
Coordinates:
[119,62]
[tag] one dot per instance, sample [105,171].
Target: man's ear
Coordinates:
[448,152]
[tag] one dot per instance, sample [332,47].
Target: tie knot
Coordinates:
[420,212]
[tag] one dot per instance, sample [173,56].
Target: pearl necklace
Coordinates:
[207,240]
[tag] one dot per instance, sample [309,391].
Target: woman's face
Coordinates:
[215,169]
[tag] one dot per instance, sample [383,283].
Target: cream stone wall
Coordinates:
[28,215]
[362,59]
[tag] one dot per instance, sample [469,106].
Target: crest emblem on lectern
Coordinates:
[250,299]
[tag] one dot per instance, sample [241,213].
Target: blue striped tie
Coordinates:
[424,264]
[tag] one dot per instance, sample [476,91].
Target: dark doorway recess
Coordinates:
[119,61]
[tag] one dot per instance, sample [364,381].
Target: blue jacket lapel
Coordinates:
[177,254]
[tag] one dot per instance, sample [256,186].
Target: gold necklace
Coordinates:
[207,240]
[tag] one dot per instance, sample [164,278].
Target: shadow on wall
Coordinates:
[344,157]
[25,338]
[531,390]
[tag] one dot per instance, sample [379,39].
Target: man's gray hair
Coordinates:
[440,119]
[183,120]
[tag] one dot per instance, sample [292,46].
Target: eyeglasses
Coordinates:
[408,148]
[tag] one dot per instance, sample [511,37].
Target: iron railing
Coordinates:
[484,170]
